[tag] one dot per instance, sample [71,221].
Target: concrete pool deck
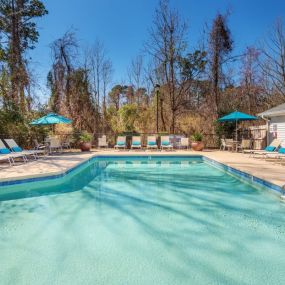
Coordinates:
[60,163]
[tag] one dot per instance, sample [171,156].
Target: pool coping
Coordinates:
[242,175]
[245,176]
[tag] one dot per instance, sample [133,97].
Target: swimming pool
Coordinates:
[148,220]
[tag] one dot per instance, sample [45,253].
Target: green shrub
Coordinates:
[85,137]
[16,125]
[197,137]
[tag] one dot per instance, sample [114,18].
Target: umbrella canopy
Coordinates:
[237,116]
[51,119]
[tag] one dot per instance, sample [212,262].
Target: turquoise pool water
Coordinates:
[140,221]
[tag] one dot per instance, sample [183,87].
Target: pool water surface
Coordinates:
[141,221]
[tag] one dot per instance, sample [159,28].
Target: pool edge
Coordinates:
[244,176]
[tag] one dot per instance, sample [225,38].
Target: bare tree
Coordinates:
[107,72]
[220,46]
[166,44]
[96,55]
[272,61]
[135,72]
[64,54]
[136,77]
[173,69]
[251,89]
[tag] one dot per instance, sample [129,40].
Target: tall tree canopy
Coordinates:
[18,33]
[174,70]
[220,46]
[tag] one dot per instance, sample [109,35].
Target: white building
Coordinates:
[275,118]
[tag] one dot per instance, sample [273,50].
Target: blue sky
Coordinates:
[122,25]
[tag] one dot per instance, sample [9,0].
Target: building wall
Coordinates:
[277,129]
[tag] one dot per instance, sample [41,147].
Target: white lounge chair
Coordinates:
[165,143]
[6,154]
[121,142]
[184,143]
[275,144]
[136,142]
[151,142]
[16,149]
[102,142]
[272,148]
[276,155]
[6,157]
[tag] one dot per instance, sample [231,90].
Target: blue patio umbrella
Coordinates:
[50,119]
[236,117]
